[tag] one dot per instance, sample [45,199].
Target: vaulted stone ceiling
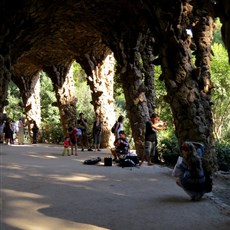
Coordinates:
[55,32]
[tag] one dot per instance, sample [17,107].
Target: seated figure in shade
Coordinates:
[121,146]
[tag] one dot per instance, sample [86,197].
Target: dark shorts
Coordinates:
[73,141]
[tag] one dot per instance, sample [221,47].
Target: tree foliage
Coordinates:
[14,109]
[49,113]
[83,94]
[220,71]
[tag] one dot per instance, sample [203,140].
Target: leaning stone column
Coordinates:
[101,84]
[30,92]
[203,35]
[63,83]
[5,77]
[190,105]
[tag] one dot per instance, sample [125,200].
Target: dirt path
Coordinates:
[41,190]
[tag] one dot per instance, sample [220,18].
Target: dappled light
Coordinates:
[27,216]
[17,194]
[63,193]
[44,156]
[14,166]
[79,177]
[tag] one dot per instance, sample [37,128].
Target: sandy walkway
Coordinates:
[41,190]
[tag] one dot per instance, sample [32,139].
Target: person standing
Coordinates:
[73,139]
[66,146]
[82,124]
[1,131]
[8,131]
[35,130]
[20,132]
[151,129]
[119,126]
[12,124]
[97,127]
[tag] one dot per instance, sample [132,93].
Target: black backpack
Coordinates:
[92,161]
[129,161]
[114,127]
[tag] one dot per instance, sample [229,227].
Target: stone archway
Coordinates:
[37,36]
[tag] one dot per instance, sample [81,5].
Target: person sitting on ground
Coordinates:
[190,173]
[121,146]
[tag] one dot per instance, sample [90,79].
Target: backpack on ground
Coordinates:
[126,163]
[129,160]
[92,161]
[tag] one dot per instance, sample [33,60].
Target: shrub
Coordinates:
[168,151]
[223,156]
[52,134]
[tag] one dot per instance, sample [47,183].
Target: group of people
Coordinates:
[121,144]
[79,134]
[10,131]
[189,171]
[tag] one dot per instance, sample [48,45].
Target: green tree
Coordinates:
[220,71]
[83,94]
[14,109]
[217,38]
[49,113]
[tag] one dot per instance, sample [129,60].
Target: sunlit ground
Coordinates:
[26,215]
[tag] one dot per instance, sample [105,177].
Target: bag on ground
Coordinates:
[92,161]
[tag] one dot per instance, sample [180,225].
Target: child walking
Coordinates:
[66,146]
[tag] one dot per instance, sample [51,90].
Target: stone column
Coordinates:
[29,87]
[63,83]
[101,84]
[5,77]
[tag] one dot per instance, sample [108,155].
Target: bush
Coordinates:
[223,156]
[52,134]
[168,151]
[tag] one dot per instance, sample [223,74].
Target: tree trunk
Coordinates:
[63,83]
